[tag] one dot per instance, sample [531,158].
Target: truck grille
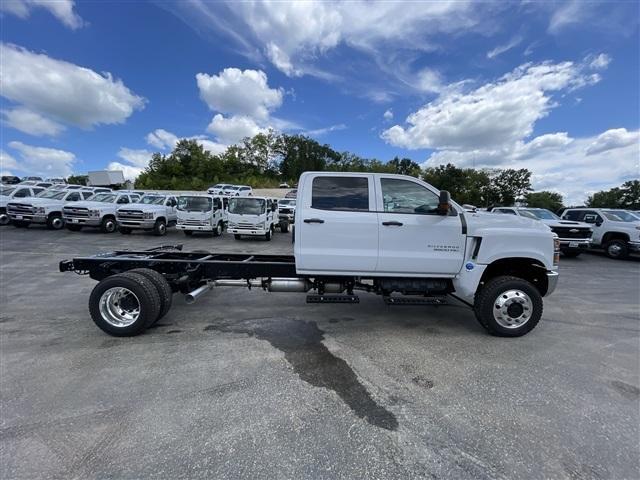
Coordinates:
[285,210]
[75,212]
[20,209]
[129,215]
[246,226]
[572,232]
[195,222]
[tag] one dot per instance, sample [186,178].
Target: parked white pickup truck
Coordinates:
[390,235]
[254,216]
[201,213]
[14,192]
[46,208]
[616,231]
[98,211]
[575,237]
[154,212]
[287,209]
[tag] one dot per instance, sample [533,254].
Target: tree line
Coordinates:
[268,159]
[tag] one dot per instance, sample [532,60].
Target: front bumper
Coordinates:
[552,282]
[246,231]
[29,218]
[143,224]
[196,228]
[633,246]
[88,222]
[574,243]
[286,216]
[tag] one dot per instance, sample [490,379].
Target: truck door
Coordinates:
[336,224]
[414,238]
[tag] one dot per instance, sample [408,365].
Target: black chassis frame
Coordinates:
[183,270]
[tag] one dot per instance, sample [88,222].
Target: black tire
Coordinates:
[73,228]
[188,233]
[571,253]
[237,236]
[108,225]
[20,223]
[55,222]
[284,227]
[4,218]
[218,230]
[142,288]
[268,235]
[125,230]
[488,296]
[160,228]
[162,286]
[616,249]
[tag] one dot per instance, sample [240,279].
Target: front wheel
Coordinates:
[284,227]
[267,235]
[508,306]
[108,225]
[55,222]
[617,249]
[218,230]
[160,228]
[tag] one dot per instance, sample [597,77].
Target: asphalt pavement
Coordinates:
[249,384]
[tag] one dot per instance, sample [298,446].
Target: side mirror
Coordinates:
[444,203]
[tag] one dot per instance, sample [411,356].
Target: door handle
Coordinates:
[313,220]
[392,224]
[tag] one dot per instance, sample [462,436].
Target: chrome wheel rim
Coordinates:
[614,250]
[512,309]
[4,219]
[119,307]
[219,229]
[56,222]
[162,228]
[110,226]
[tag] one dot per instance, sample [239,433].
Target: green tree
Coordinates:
[406,166]
[465,185]
[544,199]
[78,179]
[625,196]
[508,185]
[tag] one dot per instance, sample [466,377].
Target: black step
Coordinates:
[333,299]
[411,300]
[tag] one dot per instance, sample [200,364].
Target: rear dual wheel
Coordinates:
[126,304]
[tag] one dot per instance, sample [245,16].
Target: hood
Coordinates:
[145,207]
[565,223]
[39,202]
[95,205]
[481,220]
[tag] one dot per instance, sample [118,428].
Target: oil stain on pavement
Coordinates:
[301,343]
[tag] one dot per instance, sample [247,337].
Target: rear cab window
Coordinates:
[341,193]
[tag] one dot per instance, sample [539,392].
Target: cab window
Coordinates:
[340,193]
[73,197]
[23,192]
[404,196]
[123,199]
[86,195]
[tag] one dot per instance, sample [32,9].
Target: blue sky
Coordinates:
[550,86]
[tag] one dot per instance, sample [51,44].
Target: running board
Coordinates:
[333,299]
[409,300]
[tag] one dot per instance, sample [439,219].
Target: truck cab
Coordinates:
[614,230]
[154,212]
[253,216]
[11,192]
[575,237]
[287,209]
[201,213]
[97,211]
[45,208]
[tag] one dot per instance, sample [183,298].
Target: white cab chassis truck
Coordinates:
[201,213]
[390,235]
[45,209]
[98,212]
[154,212]
[254,216]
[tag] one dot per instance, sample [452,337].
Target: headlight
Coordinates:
[39,211]
[94,213]
[180,221]
[556,250]
[147,215]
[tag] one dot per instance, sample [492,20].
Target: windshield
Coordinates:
[6,190]
[619,216]
[220,185]
[247,206]
[152,200]
[195,204]
[52,194]
[287,202]
[103,197]
[229,187]
[541,214]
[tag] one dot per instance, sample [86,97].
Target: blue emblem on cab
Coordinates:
[469,266]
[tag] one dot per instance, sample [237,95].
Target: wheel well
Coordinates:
[526,268]
[161,218]
[109,215]
[52,214]
[614,236]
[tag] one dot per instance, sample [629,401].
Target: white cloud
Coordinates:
[238,92]
[322,131]
[388,115]
[600,62]
[162,139]
[129,172]
[611,140]
[63,92]
[493,116]
[139,158]
[7,161]
[570,13]
[49,162]
[33,123]
[61,9]
[500,49]
[209,145]
[230,130]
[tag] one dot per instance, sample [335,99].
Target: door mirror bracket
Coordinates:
[444,203]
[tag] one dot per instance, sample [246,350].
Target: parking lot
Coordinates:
[247,384]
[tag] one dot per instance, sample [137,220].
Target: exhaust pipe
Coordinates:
[191,297]
[288,285]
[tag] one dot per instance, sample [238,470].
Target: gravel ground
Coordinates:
[257,385]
